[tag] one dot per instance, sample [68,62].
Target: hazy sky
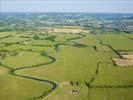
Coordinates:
[119,6]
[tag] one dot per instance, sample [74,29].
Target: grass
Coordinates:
[3,71]
[15,47]
[129,35]
[15,88]
[76,64]
[67,59]
[64,37]
[5,34]
[113,75]
[24,59]
[13,40]
[111,94]
[117,41]
[65,93]
[41,42]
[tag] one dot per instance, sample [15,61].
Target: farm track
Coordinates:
[13,71]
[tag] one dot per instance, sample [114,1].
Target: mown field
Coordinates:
[65,66]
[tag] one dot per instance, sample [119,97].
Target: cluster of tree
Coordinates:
[48,37]
[36,37]
[5,53]
[80,45]
[109,86]
[77,83]
[51,38]
[45,93]
[6,29]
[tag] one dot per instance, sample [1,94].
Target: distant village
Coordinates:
[47,21]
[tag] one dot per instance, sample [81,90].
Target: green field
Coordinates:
[66,67]
[13,40]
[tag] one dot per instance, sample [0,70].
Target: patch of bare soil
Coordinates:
[62,30]
[128,56]
[65,83]
[126,61]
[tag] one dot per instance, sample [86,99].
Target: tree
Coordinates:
[36,37]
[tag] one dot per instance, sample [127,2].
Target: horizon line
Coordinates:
[66,12]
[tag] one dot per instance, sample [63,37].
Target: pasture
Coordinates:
[76,66]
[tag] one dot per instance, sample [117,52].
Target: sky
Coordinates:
[91,6]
